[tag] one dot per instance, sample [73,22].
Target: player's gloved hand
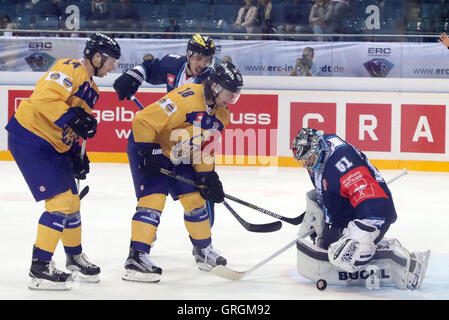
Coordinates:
[214,191]
[83,123]
[128,83]
[151,162]
[80,165]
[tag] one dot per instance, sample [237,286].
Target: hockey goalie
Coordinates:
[349,212]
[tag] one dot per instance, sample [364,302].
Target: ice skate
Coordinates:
[207,258]
[138,267]
[45,276]
[82,270]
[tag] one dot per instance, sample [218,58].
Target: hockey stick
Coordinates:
[267,227]
[230,274]
[85,190]
[299,218]
[227,273]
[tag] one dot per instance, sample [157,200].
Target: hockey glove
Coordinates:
[151,162]
[80,165]
[214,191]
[83,124]
[128,83]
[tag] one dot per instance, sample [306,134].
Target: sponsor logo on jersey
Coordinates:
[55,76]
[167,105]
[324,184]
[199,116]
[67,82]
[171,79]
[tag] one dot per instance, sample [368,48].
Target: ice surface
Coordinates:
[421,198]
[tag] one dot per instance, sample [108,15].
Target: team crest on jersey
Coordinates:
[42,189]
[199,116]
[171,79]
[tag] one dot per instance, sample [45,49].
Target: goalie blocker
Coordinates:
[392,265]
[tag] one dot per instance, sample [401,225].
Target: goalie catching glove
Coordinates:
[214,189]
[128,83]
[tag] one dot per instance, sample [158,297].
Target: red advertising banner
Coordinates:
[317,115]
[252,129]
[368,126]
[423,128]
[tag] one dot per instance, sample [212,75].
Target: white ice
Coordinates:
[421,198]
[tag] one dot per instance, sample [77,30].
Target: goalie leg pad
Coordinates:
[390,265]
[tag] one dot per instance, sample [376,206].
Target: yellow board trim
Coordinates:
[412,165]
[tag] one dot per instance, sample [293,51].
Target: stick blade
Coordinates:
[262,228]
[227,273]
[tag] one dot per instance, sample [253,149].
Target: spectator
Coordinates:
[226,59]
[340,10]
[295,15]
[305,66]
[99,14]
[148,56]
[6,23]
[320,18]
[172,27]
[265,16]
[125,16]
[45,8]
[246,19]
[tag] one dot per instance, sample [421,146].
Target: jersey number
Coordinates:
[343,164]
[74,63]
[186,92]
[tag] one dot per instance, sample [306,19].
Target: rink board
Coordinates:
[395,129]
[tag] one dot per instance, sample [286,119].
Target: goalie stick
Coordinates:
[230,274]
[268,227]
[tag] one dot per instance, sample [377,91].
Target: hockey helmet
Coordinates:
[308,147]
[103,43]
[200,44]
[227,76]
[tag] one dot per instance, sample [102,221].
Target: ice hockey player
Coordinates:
[174,133]
[350,210]
[174,71]
[43,139]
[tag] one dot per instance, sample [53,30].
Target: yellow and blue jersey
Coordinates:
[182,124]
[46,112]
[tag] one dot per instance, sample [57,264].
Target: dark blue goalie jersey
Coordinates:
[349,187]
[169,70]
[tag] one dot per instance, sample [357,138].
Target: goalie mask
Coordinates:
[308,148]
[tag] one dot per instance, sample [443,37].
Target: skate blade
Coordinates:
[43,284]
[79,277]
[132,275]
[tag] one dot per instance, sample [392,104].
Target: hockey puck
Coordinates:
[321,284]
